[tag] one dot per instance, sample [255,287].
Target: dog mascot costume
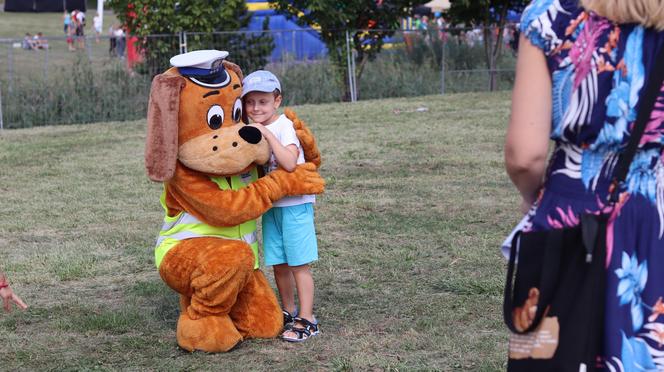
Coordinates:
[207,158]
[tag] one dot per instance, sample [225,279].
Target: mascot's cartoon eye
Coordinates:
[215,117]
[237,110]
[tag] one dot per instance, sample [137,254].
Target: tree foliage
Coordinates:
[369,22]
[492,16]
[158,21]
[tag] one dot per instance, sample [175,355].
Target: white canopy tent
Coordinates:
[438,5]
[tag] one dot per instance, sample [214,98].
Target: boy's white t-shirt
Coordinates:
[283,129]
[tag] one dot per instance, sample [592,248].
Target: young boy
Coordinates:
[289,237]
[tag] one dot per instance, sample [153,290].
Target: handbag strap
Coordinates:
[646,106]
[508,296]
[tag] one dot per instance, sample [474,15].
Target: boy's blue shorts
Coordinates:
[289,235]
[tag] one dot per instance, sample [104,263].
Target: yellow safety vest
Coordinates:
[185,226]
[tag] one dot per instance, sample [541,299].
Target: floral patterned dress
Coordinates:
[598,70]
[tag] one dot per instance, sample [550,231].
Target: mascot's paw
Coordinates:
[303,180]
[211,334]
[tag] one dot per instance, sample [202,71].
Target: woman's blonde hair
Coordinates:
[649,13]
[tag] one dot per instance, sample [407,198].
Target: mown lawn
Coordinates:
[410,273]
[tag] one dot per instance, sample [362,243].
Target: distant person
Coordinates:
[289,235]
[96,23]
[417,22]
[28,42]
[514,40]
[70,38]
[8,296]
[120,42]
[424,23]
[66,19]
[112,42]
[440,25]
[78,19]
[40,42]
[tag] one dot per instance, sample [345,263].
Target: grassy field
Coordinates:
[14,25]
[410,273]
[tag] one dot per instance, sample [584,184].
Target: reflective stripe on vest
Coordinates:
[186,226]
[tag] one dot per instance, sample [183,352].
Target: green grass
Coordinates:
[19,64]
[410,273]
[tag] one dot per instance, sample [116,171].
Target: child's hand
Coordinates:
[259,127]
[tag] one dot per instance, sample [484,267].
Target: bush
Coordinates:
[76,95]
[307,82]
[85,92]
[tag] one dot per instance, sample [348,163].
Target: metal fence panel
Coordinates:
[107,79]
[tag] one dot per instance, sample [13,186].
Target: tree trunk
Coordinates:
[493,48]
[358,75]
[337,57]
[488,54]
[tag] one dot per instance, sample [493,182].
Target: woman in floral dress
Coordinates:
[580,71]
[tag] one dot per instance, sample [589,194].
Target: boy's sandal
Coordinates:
[288,318]
[302,333]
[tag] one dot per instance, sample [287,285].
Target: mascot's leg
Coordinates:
[208,273]
[256,313]
[185,301]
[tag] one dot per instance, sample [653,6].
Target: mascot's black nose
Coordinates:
[250,134]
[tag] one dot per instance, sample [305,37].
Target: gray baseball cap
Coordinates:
[260,81]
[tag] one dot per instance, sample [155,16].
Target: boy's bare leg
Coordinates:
[304,283]
[284,279]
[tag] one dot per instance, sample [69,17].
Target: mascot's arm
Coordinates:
[197,195]
[307,140]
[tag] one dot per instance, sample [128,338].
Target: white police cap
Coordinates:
[203,67]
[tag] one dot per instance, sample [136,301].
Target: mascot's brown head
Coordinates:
[195,117]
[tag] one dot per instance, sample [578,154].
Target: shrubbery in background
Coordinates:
[77,94]
[370,23]
[204,20]
[85,92]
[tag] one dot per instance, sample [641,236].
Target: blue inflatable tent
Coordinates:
[290,39]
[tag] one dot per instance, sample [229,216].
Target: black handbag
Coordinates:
[554,306]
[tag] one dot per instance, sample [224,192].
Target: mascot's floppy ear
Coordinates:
[161,144]
[233,67]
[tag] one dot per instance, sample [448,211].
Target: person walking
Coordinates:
[97,24]
[581,69]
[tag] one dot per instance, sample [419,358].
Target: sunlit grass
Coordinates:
[409,277]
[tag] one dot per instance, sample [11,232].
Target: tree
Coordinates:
[492,15]
[155,21]
[369,22]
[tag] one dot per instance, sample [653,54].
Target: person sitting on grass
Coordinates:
[8,295]
[40,41]
[289,236]
[28,43]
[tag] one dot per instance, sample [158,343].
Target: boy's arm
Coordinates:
[286,155]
